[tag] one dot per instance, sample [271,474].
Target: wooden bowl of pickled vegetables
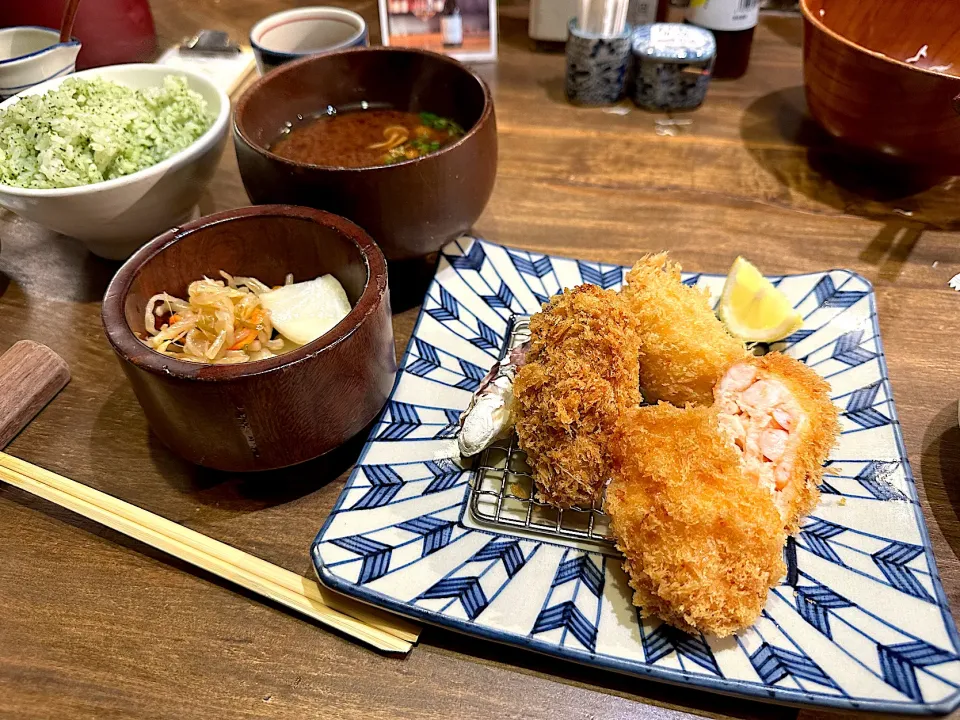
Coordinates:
[255,338]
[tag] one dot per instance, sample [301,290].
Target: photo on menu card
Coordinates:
[463,29]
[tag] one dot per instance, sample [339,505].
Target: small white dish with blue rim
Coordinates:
[860,622]
[31,55]
[293,34]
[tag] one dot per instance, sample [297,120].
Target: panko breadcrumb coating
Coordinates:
[684,348]
[703,498]
[703,542]
[778,413]
[581,373]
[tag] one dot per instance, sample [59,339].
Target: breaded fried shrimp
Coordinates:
[702,498]
[702,541]
[778,414]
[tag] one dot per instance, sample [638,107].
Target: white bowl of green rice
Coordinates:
[111,156]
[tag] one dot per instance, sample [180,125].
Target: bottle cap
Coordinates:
[674,42]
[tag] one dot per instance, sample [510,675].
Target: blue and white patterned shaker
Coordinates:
[596,66]
[672,65]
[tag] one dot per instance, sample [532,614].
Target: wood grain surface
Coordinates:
[96,626]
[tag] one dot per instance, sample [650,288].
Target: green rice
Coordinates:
[88,131]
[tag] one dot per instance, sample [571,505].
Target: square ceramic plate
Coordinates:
[860,621]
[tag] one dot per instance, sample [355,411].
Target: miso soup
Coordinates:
[362,138]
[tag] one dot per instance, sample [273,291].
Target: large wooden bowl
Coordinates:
[861,89]
[269,413]
[411,208]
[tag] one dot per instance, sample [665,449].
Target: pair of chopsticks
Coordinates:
[381,630]
[606,18]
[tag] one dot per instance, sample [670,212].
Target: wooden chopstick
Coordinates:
[372,626]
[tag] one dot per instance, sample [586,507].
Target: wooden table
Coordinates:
[94,626]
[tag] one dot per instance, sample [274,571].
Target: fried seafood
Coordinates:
[702,498]
[702,541]
[704,487]
[580,374]
[778,413]
[684,348]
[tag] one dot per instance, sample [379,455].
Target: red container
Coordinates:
[112,31]
[864,88]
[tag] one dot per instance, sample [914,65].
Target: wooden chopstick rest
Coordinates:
[31,375]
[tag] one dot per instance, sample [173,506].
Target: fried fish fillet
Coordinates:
[702,541]
[581,373]
[778,413]
[702,498]
[684,348]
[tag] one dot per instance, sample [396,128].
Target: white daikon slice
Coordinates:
[304,311]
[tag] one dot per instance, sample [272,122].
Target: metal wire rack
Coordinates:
[503,493]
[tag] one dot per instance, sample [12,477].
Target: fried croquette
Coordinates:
[684,348]
[702,540]
[581,373]
[778,413]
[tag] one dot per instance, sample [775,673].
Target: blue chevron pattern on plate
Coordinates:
[861,622]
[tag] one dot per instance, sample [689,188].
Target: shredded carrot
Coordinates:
[174,319]
[244,338]
[256,317]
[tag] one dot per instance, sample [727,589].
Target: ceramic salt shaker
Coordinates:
[672,65]
[596,66]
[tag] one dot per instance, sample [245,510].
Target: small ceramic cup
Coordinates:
[596,66]
[293,34]
[32,55]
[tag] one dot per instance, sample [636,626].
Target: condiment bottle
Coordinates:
[732,23]
[451,24]
[645,12]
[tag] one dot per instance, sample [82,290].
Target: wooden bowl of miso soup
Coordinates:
[402,142]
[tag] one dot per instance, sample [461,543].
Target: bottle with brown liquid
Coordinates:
[732,23]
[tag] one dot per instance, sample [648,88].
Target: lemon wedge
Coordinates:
[753,309]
